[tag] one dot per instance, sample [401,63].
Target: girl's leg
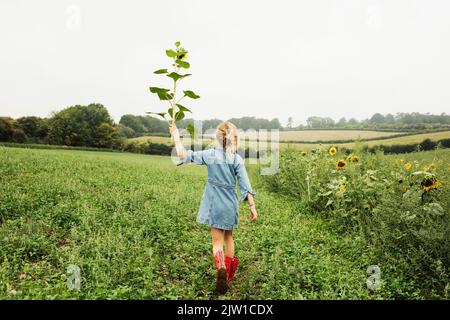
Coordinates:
[229,244]
[217,236]
[231,262]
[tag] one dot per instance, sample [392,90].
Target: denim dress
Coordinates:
[219,206]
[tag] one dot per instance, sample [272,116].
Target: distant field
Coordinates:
[332,135]
[408,139]
[313,135]
[417,138]
[154,139]
[306,135]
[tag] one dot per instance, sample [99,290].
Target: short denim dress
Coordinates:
[219,206]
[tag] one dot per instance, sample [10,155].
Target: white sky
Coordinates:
[249,58]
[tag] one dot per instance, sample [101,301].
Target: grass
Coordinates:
[128,221]
[153,139]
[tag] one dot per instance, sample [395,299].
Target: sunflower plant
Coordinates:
[176,110]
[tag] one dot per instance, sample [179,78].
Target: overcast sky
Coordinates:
[249,58]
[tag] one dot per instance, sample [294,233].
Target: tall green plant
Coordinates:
[176,111]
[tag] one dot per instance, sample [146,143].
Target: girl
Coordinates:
[219,206]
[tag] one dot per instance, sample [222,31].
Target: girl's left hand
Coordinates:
[253,213]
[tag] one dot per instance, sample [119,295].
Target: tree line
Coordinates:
[92,126]
[137,126]
[399,121]
[84,126]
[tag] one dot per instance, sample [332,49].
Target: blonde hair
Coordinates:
[227,137]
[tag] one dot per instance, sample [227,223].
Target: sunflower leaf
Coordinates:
[183,64]
[183,108]
[190,128]
[176,76]
[191,94]
[165,96]
[158,90]
[179,116]
[161,71]
[170,53]
[161,114]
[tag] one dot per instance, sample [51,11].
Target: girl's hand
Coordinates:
[253,213]
[174,132]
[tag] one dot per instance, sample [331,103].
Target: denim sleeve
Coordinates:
[242,177]
[197,157]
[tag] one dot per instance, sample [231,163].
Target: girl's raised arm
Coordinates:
[181,151]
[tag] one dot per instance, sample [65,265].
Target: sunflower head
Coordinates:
[407,165]
[183,56]
[332,151]
[429,183]
[304,153]
[341,164]
[354,159]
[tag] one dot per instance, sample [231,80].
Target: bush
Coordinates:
[6,128]
[413,236]
[398,207]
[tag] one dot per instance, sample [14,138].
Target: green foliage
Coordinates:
[246,123]
[143,125]
[175,111]
[36,129]
[109,214]
[89,126]
[10,130]
[401,121]
[384,200]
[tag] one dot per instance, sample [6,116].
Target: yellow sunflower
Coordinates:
[183,56]
[304,153]
[430,183]
[332,151]
[354,159]
[407,165]
[341,164]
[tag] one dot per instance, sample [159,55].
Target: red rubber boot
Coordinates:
[222,273]
[231,264]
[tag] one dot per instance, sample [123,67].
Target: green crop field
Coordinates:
[128,222]
[153,139]
[407,139]
[303,135]
[327,135]
[333,135]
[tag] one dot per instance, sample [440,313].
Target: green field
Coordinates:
[407,139]
[128,221]
[333,135]
[153,139]
[327,135]
[303,135]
